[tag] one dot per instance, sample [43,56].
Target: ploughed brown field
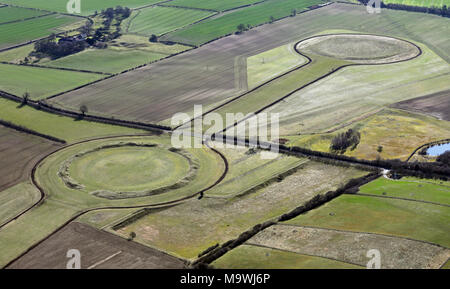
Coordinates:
[216,71]
[98,250]
[19,152]
[437,105]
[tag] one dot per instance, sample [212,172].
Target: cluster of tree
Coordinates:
[341,142]
[442,11]
[119,13]
[54,49]
[430,170]
[444,158]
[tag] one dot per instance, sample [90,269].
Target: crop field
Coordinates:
[217,5]
[399,133]
[87,7]
[437,105]
[19,151]
[65,128]
[106,60]
[393,217]
[222,219]
[269,64]
[226,24]
[8,14]
[18,32]
[421,3]
[351,247]
[214,78]
[101,250]
[255,257]
[41,82]
[160,20]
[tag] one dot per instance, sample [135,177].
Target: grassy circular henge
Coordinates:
[129,170]
[360,48]
[126,171]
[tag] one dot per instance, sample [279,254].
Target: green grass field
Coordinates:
[87,7]
[253,257]
[269,64]
[18,32]
[41,82]
[226,24]
[106,60]
[8,14]
[159,20]
[409,188]
[421,3]
[16,199]
[419,221]
[17,54]
[218,5]
[58,126]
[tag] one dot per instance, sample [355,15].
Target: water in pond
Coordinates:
[437,150]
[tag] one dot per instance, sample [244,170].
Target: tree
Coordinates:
[294,12]
[83,109]
[272,19]
[132,236]
[380,149]
[153,38]
[25,98]
[241,28]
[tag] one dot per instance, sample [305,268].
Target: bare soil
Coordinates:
[436,104]
[99,250]
[19,152]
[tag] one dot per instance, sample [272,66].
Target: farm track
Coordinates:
[43,194]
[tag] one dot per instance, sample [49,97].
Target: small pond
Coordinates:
[437,150]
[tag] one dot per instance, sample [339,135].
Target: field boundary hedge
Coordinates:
[25,19]
[56,68]
[42,105]
[30,131]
